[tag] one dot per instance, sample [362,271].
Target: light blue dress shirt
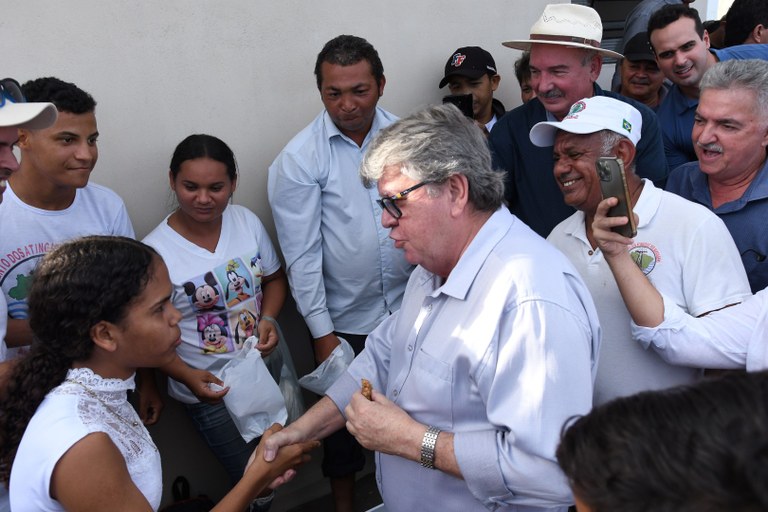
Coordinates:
[501,355]
[344,271]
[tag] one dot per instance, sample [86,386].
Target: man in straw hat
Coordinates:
[15,113]
[566,59]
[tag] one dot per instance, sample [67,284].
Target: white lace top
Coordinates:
[84,403]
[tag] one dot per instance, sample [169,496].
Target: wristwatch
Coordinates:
[428,443]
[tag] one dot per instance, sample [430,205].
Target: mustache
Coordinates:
[554,93]
[640,81]
[710,147]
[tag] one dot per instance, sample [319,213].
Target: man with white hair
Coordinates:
[566,59]
[491,352]
[678,243]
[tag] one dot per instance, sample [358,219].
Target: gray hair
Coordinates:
[432,145]
[750,74]
[608,142]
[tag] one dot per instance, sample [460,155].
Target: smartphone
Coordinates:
[613,183]
[463,101]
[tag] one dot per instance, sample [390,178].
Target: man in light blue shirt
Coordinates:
[494,347]
[345,274]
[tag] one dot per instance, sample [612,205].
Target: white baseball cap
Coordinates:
[590,115]
[15,111]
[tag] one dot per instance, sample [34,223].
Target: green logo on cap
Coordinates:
[625,124]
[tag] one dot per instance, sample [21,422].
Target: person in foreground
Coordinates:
[700,448]
[494,346]
[73,383]
[732,338]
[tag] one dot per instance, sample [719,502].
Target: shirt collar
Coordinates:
[490,234]
[333,131]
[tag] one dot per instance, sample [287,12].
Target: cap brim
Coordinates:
[543,134]
[525,45]
[470,73]
[34,116]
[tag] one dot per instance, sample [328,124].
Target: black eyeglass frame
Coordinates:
[389,204]
[10,90]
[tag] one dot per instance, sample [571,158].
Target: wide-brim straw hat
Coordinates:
[571,25]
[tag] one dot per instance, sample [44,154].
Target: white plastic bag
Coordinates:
[329,370]
[280,365]
[254,400]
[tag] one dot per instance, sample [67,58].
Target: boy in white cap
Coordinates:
[566,59]
[678,243]
[15,113]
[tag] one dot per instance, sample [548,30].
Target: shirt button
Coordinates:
[410,348]
[429,308]
[394,392]
[591,252]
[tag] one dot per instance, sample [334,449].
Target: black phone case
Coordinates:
[463,102]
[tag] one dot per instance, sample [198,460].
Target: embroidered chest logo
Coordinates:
[645,255]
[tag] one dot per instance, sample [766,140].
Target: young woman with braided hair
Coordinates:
[69,440]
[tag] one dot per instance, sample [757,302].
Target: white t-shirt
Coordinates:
[29,233]
[3,329]
[218,293]
[687,253]
[68,414]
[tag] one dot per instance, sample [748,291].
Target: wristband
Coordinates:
[428,443]
[269,319]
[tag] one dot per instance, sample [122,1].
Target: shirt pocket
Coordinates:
[432,390]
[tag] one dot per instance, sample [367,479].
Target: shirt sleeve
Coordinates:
[541,377]
[122,225]
[372,364]
[295,196]
[269,260]
[732,338]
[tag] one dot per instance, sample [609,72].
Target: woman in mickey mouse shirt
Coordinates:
[228,285]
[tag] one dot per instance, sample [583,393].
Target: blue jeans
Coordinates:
[222,437]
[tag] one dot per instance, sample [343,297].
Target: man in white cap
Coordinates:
[678,243]
[15,113]
[566,59]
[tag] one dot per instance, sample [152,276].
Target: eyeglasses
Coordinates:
[389,204]
[10,90]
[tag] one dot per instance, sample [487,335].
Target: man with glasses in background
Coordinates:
[15,113]
[491,352]
[345,274]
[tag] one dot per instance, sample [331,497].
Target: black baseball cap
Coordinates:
[469,61]
[639,48]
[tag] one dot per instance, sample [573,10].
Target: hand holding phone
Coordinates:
[613,183]
[463,102]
